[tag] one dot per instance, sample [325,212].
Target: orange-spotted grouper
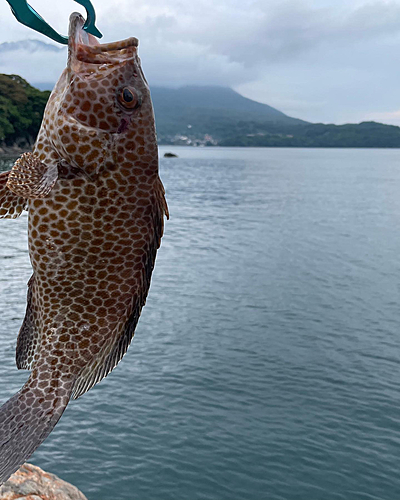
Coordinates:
[96,209]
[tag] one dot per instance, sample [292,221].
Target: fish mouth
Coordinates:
[86,48]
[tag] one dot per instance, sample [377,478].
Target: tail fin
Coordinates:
[29,416]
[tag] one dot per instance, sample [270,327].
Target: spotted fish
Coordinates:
[96,210]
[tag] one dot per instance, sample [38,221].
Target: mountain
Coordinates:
[29,46]
[217,101]
[21,111]
[200,116]
[171,104]
[220,116]
[207,115]
[195,112]
[319,135]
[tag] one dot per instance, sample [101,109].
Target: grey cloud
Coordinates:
[322,60]
[261,33]
[35,67]
[230,43]
[292,30]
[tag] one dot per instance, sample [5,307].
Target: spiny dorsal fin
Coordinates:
[31,178]
[11,205]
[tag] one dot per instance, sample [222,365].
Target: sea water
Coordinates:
[266,363]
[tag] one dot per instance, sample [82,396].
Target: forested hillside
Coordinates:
[21,110]
[318,135]
[200,116]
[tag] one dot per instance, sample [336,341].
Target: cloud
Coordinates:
[252,32]
[330,60]
[34,66]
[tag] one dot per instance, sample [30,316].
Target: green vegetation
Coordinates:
[21,110]
[219,116]
[200,115]
[318,135]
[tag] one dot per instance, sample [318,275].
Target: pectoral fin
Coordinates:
[31,178]
[11,205]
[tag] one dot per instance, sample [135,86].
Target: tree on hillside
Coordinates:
[21,110]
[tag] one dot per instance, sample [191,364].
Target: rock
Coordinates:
[32,483]
[170,155]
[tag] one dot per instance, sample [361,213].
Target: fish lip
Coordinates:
[86,48]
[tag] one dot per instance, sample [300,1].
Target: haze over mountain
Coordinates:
[29,46]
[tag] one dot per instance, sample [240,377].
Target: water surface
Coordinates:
[266,364]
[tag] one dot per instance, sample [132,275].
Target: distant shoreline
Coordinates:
[13,152]
[200,117]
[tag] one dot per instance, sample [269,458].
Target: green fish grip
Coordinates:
[28,16]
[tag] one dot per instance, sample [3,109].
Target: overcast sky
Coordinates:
[331,61]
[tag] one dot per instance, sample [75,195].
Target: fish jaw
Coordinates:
[84,49]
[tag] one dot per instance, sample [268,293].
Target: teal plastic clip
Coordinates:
[25,14]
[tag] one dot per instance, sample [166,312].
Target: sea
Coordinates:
[266,363]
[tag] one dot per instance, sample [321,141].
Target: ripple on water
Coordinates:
[266,361]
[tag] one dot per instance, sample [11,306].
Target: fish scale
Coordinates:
[96,209]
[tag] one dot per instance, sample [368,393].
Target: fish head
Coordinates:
[101,110]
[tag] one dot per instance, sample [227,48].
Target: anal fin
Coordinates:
[86,382]
[31,178]
[11,205]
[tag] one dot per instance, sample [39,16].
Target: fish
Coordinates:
[96,209]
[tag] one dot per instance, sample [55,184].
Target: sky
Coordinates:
[330,61]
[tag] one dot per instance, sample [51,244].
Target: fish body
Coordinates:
[96,207]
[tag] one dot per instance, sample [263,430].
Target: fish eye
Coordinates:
[129,98]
